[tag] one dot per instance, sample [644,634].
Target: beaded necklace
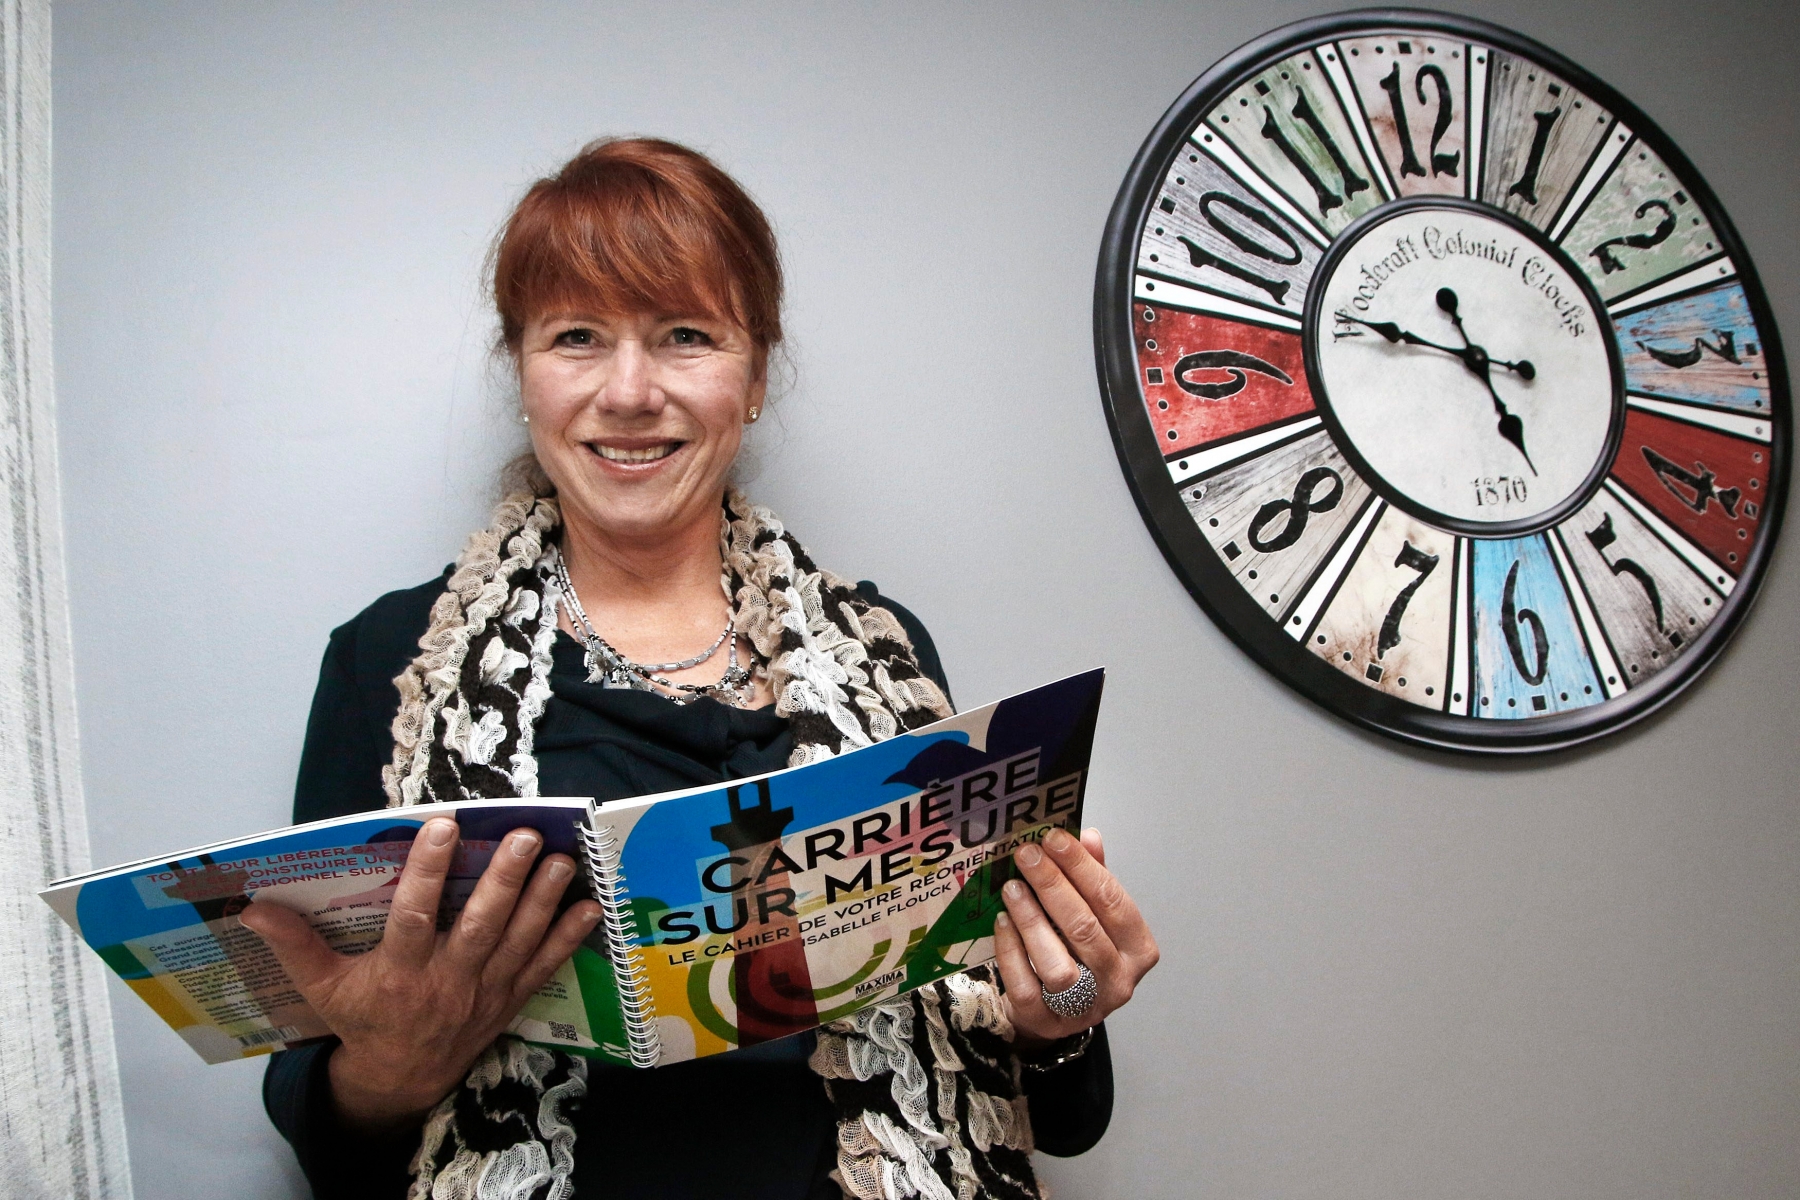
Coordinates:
[612,669]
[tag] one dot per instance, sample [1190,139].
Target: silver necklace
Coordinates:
[610,668]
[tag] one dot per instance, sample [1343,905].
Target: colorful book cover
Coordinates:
[762,908]
[737,914]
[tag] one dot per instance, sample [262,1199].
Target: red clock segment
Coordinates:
[1207,378]
[1708,484]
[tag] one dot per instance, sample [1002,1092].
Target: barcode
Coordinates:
[262,1037]
[563,1032]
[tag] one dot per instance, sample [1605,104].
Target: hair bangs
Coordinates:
[638,226]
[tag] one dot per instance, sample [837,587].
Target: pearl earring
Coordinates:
[524,418]
[754,413]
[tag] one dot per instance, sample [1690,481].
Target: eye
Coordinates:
[575,337]
[687,335]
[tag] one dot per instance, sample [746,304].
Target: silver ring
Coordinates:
[1075,999]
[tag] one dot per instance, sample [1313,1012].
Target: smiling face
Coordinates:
[638,418]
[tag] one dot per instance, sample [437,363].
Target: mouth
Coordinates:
[634,454]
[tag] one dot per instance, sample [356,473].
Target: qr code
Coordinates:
[563,1032]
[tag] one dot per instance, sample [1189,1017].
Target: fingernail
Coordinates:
[592,916]
[525,844]
[1029,855]
[1014,890]
[1002,922]
[1058,841]
[439,833]
[560,872]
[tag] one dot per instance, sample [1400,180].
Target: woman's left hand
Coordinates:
[1080,915]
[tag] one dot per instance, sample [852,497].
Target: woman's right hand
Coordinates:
[414,1012]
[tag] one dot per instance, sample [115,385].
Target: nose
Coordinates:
[631,388]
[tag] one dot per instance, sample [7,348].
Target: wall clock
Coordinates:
[1442,380]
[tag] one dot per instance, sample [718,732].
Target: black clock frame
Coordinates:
[1193,559]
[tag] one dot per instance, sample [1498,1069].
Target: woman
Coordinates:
[583,645]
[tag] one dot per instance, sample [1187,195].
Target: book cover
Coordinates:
[768,906]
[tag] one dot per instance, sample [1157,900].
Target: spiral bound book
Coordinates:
[735,914]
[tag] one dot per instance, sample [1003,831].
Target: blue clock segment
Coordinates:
[1529,656]
[1702,348]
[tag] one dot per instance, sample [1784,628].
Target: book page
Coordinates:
[171,930]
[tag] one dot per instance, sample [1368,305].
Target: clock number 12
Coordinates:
[1441,164]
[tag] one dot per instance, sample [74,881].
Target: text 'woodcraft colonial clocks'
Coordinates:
[1442,380]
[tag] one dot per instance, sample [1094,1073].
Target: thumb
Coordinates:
[1090,838]
[296,945]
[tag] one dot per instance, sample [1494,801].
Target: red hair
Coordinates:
[638,225]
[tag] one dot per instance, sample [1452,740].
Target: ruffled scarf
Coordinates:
[925,1086]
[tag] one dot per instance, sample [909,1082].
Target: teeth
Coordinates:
[651,454]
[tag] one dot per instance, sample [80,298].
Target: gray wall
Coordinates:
[1386,973]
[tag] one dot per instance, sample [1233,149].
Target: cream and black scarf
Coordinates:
[925,1086]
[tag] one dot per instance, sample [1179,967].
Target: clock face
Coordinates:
[1443,381]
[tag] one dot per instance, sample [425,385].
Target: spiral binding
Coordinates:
[602,852]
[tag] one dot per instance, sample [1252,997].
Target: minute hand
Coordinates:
[1473,357]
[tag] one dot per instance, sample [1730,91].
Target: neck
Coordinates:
[651,597]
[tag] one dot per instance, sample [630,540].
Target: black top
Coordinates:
[610,744]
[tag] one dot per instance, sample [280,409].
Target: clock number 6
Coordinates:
[1413,559]
[1513,619]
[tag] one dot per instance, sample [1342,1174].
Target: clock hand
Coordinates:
[1476,358]
[1511,428]
[1471,353]
[1394,333]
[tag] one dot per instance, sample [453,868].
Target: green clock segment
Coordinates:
[1443,381]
